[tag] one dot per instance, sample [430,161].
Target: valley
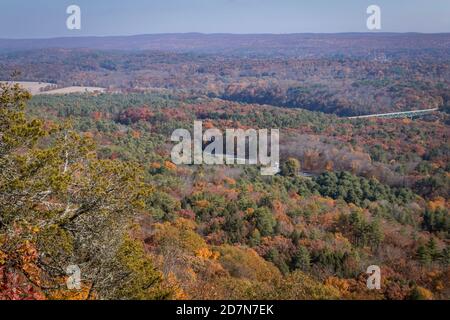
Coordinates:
[88,177]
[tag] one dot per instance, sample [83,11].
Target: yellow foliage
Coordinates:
[250,211]
[437,203]
[423,294]
[179,234]
[341,284]
[245,263]
[171,283]
[299,286]
[202,203]
[3,257]
[206,253]
[340,237]
[66,294]
[183,223]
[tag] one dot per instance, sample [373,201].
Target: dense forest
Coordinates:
[377,193]
[87,179]
[330,77]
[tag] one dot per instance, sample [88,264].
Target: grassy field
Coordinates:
[37,88]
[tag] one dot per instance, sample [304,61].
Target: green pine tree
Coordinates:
[302,259]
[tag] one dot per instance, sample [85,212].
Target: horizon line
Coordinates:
[232,34]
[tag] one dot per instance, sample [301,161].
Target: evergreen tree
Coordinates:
[432,248]
[59,199]
[265,221]
[423,255]
[302,259]
[255,238]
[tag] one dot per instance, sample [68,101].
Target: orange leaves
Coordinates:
[135,134]
[28,257]
[406,121]
[20,276]
[28,252]
[250,211]
[341,284]
[438,280]
[202,204]
[155,165]
[278,207]
[329,166]
[231,194]
[3,258]
[421,293]
[437,203]
[96,116]
[206,253]
[295,196]
[171,283]
[165,166]
[20,283]
[170,166]
[199,187]
[64,294]
[230,181]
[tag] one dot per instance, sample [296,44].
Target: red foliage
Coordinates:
[136,114]
[15,286]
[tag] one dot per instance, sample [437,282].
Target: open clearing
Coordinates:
[74,90]
[35,88]
[32,87]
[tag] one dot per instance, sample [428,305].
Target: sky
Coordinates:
[47,18]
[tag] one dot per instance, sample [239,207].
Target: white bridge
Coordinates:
[402,114]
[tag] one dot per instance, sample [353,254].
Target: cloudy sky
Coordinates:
[47,18]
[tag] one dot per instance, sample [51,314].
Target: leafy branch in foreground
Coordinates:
[60,205]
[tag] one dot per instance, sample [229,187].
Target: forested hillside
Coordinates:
[376,193]
[87,179]
[346,75]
